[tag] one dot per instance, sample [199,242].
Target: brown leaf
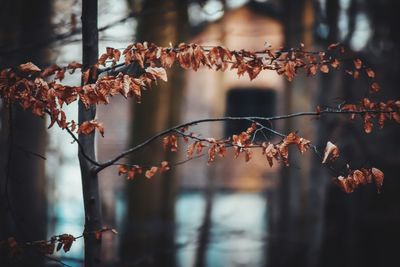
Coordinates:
[60,74]
[150,173]
[198,145]
[167,58]
[356,75]
[370,73]
[396,116]
[115,232]
[66,241]
[290,70]
[367,123]
[312,70]
[303,144]
[158,73]
[335,63]
[378,177]
[85,76]
[73,66]
[117,55]
[375,87]
[170,142]
[270,152]
[88,127]
[357,63]
[331,151]
[29,67]
[132,172]
[359,177]
[190,150]
[324,68]
[333,46]
[59,246]
[344,184]
[102,59]
[248,154]
[50,70]
[381,120]
[164,166]
[122,169]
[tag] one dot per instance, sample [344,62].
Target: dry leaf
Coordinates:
[29,67]
[378,177]
[357,63]
[158,73]
[331,151]
[324,68]
[150,173]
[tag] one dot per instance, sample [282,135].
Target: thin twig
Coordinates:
[79,144]
[81,148]
[64,36]
[29,152]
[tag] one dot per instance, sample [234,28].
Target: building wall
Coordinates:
[206,97]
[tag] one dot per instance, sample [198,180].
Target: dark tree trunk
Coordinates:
[364,225]
[23,204]
[149,229]
[286,204]
[90,185]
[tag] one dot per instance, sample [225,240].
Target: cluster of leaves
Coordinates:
[132,170]
[42,90]
[244,143]
[355,178]
[369,110]
[55,243]
[241,143]
[30,87]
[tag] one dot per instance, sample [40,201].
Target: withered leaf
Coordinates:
[370,73]
[378,177]
[122,169]
[150,173]
[333,46]
[29,67]
[164,166]
[375,87]
[88,127]
[324,68]
[331,151]
[73,66]
[335,63]
[357,63]
[368,123]
[158,73]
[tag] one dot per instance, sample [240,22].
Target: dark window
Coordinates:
[243,102]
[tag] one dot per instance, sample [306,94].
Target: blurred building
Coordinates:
[210,94]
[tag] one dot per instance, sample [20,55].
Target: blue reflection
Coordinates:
[237,234]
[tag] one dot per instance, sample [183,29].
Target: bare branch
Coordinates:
[176,128]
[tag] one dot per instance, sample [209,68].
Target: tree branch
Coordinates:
[327,111]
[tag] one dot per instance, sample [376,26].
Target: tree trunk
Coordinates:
[23,204]
[149,230]
[287,202]
[90,185]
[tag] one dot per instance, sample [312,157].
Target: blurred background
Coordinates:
[231,213]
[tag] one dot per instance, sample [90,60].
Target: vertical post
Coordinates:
[90,186]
